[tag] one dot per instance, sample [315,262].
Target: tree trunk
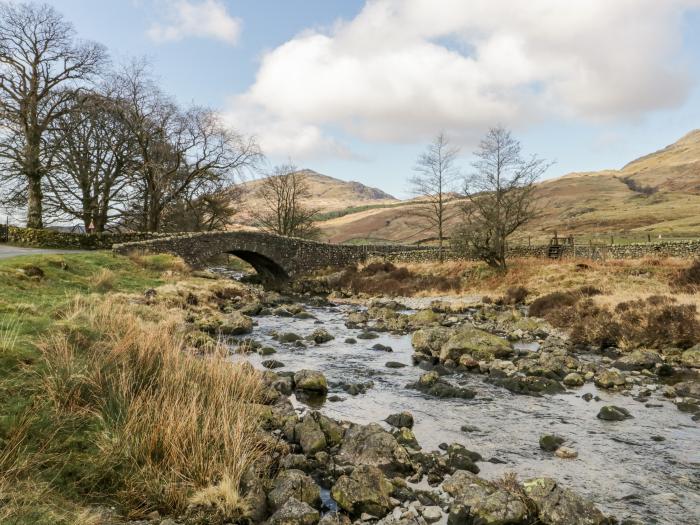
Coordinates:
[32,171]
[34,202]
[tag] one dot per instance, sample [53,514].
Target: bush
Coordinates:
[542,306]
[388,279]
[655,322]
[515,295]
[689,278]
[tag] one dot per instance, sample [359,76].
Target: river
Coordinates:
[646,468]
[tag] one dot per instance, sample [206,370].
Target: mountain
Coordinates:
[657,194]
[327,194]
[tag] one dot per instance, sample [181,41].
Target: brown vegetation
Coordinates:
[386,278]
[153,426]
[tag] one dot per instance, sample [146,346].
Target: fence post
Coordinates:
[612,240]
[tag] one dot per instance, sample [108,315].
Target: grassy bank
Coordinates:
[103,403]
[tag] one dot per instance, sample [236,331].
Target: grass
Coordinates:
[103,405]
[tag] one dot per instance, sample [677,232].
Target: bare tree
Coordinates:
[181,153]
[95,158]
[206,212]
[499,197]
[283,211]
[42,68]
[433,182]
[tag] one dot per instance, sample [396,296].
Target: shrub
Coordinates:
[655,322]
[689,278]
[388,279]
[542,306]
[515,295]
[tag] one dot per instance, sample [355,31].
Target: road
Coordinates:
[14,251]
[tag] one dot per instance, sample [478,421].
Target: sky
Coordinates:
[356,89]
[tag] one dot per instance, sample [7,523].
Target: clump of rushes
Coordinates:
[150,425]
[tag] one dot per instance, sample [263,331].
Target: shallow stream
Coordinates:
[619,465]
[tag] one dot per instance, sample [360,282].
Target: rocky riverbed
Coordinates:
[495,383]
[451,412]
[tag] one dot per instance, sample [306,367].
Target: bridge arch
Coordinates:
[266,268]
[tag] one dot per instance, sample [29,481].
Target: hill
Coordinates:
[328,194]
[657,194]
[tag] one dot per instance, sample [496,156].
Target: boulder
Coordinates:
[402,419]
[688,389]
[461,458]
[311,380]
[691,357]
[404,436]
[573,379]
[431,384]
[611,378]
[366,490]
[372,445]
[425,318]
[560,506]
[528,385]
[272,364]
[395,364]
[236,324]
[320,336]
[289,337]
[293,484]
[638,360]
[488,504]
[550,442]
[310,436]
[477,343]
[429,340]
[295,512]
[613,413]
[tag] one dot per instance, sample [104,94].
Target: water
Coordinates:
[619,466]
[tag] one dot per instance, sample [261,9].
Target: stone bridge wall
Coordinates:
[264,251]
[281,257]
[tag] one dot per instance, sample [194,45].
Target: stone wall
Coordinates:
[43,238]
[683,249]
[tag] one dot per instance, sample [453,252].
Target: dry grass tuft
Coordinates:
[170,424]
[160,262]
[224,496]
[103,281]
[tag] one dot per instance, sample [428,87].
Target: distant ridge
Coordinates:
[654,195]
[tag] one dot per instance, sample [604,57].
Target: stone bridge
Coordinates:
[272,256]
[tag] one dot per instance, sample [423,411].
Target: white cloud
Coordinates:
[403,69]
[205,19]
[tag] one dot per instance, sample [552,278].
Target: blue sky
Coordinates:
[355,89]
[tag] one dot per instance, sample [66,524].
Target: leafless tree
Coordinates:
[182,154]
[95,158]
[433,182]
[283,211]
[42,69]
[210,211]
[499,197]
